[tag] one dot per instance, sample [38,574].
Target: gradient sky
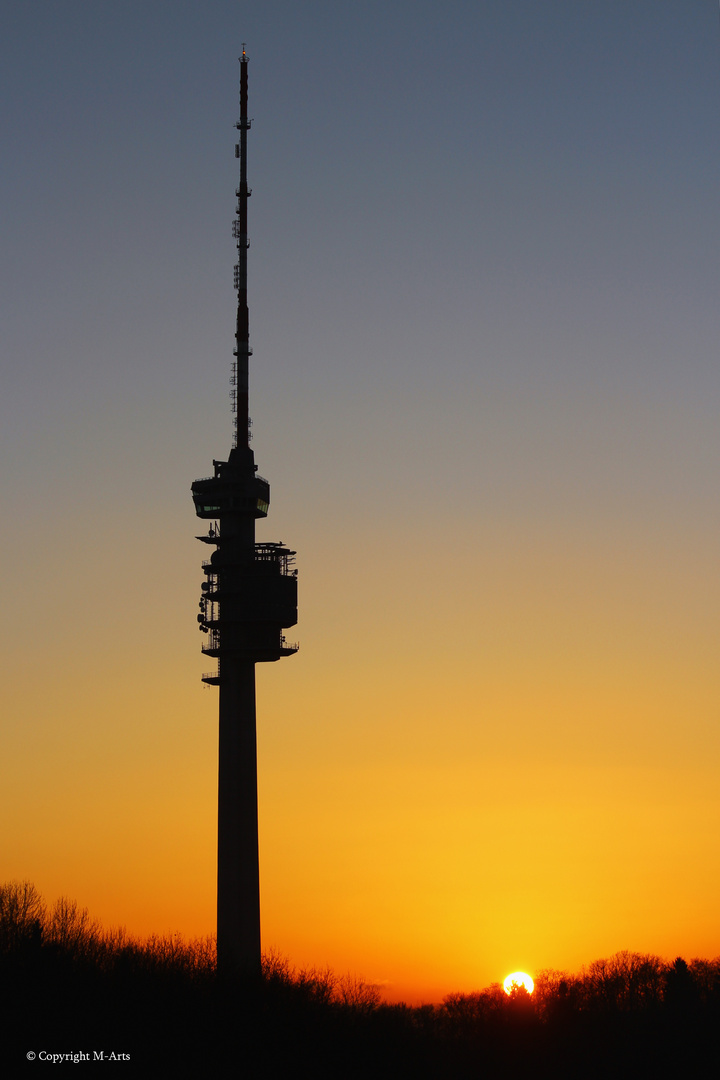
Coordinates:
[484,313]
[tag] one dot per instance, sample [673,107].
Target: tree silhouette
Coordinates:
[22,915]
[62,977]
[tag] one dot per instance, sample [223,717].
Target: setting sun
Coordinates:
[517,979]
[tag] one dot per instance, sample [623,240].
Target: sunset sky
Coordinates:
[483,288]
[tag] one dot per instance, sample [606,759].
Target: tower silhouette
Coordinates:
[249,597]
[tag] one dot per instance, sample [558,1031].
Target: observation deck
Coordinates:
[235,488]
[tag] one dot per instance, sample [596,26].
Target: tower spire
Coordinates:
[242,332]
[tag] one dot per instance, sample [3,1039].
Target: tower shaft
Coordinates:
[248,597]
[238,869]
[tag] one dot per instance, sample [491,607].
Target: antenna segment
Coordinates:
[239,379]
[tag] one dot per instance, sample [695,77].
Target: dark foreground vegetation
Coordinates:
[69,987]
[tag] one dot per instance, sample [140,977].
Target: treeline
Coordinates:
[68,985]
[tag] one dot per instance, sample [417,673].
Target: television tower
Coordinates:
[249,597]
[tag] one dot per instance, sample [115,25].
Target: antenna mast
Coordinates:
[239,380]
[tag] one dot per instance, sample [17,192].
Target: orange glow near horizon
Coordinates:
[389,846]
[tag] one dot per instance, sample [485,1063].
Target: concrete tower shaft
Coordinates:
[249,596]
